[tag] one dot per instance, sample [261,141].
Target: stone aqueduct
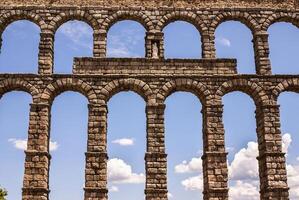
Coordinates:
[99,78]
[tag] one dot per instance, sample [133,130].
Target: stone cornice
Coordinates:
[282,4]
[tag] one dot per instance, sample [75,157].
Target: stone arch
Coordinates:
[252,89]
[130,84]
[292,18]
[137,16]
[9,85]
[186,16]
[79,15]
[291,85]
[243,17]
[16,15]
[68,84]
[186,85]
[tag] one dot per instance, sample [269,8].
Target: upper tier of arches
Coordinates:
[206,22]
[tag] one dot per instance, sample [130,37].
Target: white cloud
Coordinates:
[113,189]
[243,173]
[22,144]
[245,165]
[193,183]
[244,191]
[120,172]
[286,142]
[79,33]
[195,165]
[169,195]
[124,141]
[223,41]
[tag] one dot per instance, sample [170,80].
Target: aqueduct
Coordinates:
[154,78]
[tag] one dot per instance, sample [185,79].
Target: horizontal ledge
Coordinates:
[97,190]
[155,191]
[215,190]
[99,154]
[272,154]
[155,155]
[35,189]
[275,189]
[38,153]
[214,154]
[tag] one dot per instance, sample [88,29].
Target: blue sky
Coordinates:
[126,124]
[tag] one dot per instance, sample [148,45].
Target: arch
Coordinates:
[14,15]
[135,85]
[186,16]
[243,17]
[74,15]
[137,16]
[290,85]
[9,85]
[254,90]
[68,84]
[292,18]
[187,85]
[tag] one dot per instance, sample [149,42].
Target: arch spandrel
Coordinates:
[185,85]
[292,18]
[252,89]
[136,16]
[12,16]
[242,17]
[291,85]
[130,84]
[10,85]
[79,15]
[190,17]
[68,84]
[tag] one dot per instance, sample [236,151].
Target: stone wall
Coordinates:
[153,78]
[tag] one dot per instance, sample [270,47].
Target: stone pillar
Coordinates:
[208,45]
[155,158]
[36,176]
[272,162]
[214,157]
[96,155]
[99,43]
[46,53]
[154,45]
[261,53]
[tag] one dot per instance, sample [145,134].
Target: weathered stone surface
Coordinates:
[153,78]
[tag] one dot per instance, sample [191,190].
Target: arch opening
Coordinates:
[126,146]
[183,123]
[186,43]
[230,44]
[14,123]
[284,45]
[126,39]
[20,47]
[72,39]
[68,139]
[241,145]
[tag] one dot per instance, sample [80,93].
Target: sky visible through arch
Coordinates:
[126,118]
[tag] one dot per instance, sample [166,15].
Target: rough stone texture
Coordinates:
[99,78]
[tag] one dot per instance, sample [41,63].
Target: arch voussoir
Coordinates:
[185,85]
[68,84]
[130,84]
[254,90]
